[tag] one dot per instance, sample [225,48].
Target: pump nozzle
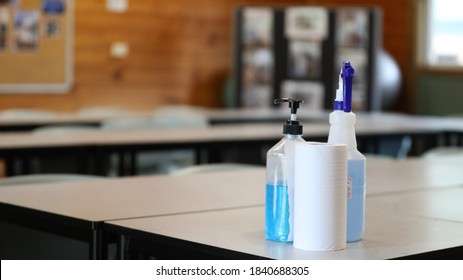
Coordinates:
[347,73]
[293,104]
[292,125]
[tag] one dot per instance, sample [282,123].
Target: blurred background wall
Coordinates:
[181,53]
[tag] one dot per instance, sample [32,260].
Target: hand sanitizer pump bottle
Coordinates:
[342,131]
[278,200]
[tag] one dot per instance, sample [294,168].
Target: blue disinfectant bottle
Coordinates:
[278,200]
[342,131]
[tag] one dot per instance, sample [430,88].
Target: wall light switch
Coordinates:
[117,6]
[119,50]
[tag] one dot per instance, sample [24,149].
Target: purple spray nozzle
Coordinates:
[347,73]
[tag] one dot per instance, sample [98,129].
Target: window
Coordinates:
[440,41]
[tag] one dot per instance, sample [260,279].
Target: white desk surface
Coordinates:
[389,120]
[367,122]
[131,197]
[243,132]
[49,120]
[214,115]
[256,114]
[216,133]
[392,176]
[396,226]
[413,206]
[224,115]
[315,125]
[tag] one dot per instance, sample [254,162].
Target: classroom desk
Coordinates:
[79,209]
[218,133]
[243,115]
[421,225]
[11,124]
[263,115]
[256,129]
[93,146]
[215,116]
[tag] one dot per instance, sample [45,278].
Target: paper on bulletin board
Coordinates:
[36,46]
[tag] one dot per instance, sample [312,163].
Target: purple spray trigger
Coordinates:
[347,74]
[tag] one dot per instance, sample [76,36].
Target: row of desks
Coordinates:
[234,116]
[208,142]
[215,116]
[413,209]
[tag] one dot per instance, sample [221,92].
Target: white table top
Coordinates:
[243,132]
[413,206]
[396,225]
[131,197]
[254,115]
[217,133]
[315,125]
[49,120]
[392,176]
[255,127]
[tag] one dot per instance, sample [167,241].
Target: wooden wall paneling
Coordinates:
[180,52]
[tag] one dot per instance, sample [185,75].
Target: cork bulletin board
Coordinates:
[36,46]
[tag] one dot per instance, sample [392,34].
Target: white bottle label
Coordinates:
[349,188]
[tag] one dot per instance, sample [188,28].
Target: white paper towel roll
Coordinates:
[289,165]
[320,196]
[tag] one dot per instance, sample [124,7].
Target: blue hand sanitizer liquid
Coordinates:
[277,213]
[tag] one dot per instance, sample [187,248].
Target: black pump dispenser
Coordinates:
[292,125]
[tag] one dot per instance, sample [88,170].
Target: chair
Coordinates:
[397,147]
[63,129]
[128,123]
[168,117]
[144,163]
[44,178]
[180,117]
[26,113]
[444,153]
[59,162]
[103,112]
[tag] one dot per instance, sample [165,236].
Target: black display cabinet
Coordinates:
[297,52]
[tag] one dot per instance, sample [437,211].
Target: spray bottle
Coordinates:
[279,187]
[342,131]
